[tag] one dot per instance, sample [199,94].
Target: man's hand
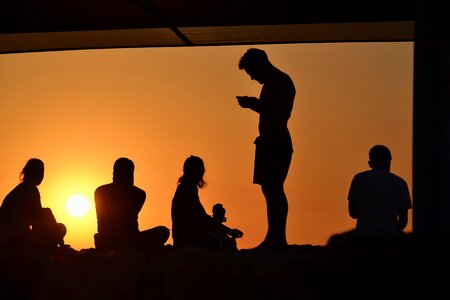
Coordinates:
[245,101]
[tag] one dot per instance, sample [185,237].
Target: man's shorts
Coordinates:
[272,160]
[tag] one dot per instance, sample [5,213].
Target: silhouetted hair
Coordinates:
[253,57]
[380,154]
[193,170]
[34,169]
[123,169]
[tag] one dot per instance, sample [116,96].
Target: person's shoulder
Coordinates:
[186,186]
[138,192]
[26,187]
[280,76]
[363,174]
[382,176]
[17,190]
[361,178]
[397,178]
[186,189]
[103,187]
[286,76]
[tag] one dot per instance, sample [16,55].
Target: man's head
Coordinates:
[256,63]
[123,171]
[380,158]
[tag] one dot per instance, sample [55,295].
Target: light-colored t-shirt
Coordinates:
[378,195]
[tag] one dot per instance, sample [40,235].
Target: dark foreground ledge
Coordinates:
[411,267]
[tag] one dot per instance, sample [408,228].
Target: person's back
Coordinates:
[190,222]
[117,208]
[378,199]
[23,220]
[118,205]
[19,209]
[277,100]
[378,195]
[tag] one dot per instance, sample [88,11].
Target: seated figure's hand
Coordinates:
[236,233]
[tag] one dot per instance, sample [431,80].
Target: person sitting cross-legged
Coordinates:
[118,205]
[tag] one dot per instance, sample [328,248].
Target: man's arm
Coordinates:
[249,102]
[99,209]
[352,209]
[402,211]
[351,200]
[402,218]
[98,202]
[140,198]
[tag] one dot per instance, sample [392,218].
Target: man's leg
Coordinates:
[277,210]
[47,231]
[154,238]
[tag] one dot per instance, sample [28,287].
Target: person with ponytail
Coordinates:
[23,220]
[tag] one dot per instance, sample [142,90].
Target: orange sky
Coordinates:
[79,111]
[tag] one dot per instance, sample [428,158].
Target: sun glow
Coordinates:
[77,205]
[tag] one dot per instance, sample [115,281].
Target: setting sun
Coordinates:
[77,205]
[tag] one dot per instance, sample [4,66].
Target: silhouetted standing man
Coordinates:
[274,150]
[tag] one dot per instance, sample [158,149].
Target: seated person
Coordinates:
[23,220]
[117,205]
[378,199]
[191,225]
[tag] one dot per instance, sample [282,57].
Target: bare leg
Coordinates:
[154,238]
[277,210]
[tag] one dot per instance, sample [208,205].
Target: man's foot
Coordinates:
[266,246]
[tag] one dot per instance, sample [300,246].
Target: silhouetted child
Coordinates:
[225,241]
[219,213]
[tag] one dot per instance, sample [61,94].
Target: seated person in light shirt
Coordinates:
[378,199]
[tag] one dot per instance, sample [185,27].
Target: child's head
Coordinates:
[219,212]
